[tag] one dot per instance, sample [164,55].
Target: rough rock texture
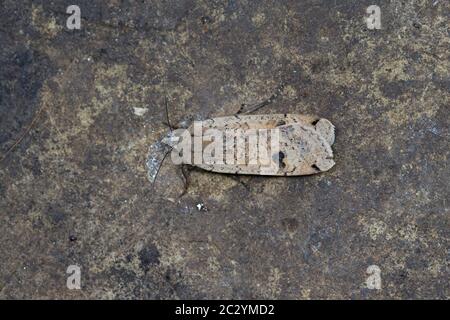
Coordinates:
[91,101]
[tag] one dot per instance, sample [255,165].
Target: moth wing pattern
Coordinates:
[304,148]
[326,130]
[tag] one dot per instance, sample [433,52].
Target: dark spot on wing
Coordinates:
[281,157]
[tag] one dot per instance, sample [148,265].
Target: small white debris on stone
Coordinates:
[140,111]
[201,207]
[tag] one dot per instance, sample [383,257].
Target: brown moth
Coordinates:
[289,144]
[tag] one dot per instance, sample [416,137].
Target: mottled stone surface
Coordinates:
[75,189]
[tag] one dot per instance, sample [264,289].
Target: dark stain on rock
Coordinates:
[56,215]
[96,157]
[22,75]
[206,20]
[149,256]
[394,89]
[290,224]
[2,190]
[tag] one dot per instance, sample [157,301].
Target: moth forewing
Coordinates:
[240,147]
[213,147]
[264,154]
[252,147]
[230,150]
[279,144]
[269,149]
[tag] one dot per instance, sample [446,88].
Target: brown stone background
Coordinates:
[75,190]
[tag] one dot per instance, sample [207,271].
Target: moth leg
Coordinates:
[167,121]
[185,171]
[242,183]
[256,107]
[171,126]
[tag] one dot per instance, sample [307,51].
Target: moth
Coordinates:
[267,144]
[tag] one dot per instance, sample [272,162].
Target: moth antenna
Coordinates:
[159,168]
[167,107]
[185,181]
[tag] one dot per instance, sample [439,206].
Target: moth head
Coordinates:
[171,139]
